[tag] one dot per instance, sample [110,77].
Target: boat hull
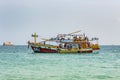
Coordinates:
[43,50]
[39,49]
[76,51]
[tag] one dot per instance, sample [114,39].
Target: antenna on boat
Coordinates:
[35,36]
[74,32]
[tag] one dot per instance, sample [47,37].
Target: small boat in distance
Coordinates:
[66,43]
[7,43]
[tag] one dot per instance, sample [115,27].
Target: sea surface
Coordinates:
[20,63]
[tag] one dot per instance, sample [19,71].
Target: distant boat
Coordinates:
[67,43]
[7,43]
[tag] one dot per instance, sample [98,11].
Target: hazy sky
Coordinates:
[20,18]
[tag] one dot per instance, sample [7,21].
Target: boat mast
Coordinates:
[34,36]
[74,32]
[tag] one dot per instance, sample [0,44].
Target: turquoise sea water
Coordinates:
[20,63]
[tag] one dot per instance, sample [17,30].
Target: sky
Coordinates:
[97,18]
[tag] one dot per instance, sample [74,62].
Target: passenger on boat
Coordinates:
[60,45]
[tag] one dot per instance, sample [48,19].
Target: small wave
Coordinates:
[102,77]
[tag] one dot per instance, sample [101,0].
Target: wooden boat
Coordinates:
[72,44]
